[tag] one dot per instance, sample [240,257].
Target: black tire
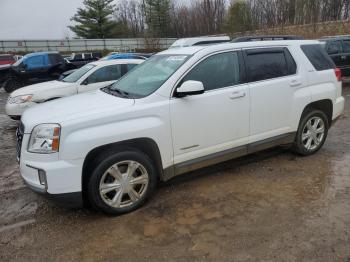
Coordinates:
[300,147]
[104,163]
[11,85]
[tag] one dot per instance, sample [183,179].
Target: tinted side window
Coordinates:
[334,47]
[318,57]
[265,64]
[55,59]
[87,56]
[35,61]
[107,73]
[346,46]
[130,67]
[217,71]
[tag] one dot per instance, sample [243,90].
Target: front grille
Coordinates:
[19,137]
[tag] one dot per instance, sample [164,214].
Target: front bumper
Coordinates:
[63,180]
[67,200]
[16,110]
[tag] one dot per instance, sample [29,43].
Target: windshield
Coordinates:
[149,76]
[19,61]
[75,76]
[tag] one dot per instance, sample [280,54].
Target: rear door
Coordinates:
[273,80]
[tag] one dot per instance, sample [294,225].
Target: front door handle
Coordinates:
[237,94]
[343,57]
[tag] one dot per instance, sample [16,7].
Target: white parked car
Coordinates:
[202,40]
[90,77]
[181,110]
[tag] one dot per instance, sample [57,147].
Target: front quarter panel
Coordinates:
[143,120]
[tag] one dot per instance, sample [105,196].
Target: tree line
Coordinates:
[172,18]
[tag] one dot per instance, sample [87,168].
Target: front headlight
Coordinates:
[20,99]
[45,139]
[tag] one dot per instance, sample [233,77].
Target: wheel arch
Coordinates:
[146,145]
[324,105]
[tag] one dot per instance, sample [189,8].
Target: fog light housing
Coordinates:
[42,177]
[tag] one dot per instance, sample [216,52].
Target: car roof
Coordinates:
[117,62]
[224,46]
[193,40]
[41,53]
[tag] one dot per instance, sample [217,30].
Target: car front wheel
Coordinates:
[122,182]
[312,133]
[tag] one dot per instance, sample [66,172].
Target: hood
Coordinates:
[73,107]
[45,86]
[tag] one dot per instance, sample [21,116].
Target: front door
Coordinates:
[218,119]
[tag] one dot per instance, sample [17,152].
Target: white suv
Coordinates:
[181,110]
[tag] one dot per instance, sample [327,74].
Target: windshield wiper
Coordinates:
[115,92]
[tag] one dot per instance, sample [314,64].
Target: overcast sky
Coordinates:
[36,19]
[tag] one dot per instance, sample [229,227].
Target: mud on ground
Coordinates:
[271,206]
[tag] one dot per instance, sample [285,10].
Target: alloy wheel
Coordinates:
[313,133]
[124,184]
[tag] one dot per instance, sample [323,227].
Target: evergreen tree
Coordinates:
[94,20]
[157,16]
[239,17]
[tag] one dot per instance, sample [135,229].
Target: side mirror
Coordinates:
[189,88]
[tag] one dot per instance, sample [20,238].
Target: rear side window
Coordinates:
[216,71]
[318,57]
[346,46]
[263,64]
[55,59]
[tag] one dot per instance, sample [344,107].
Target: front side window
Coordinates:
[35,61]
[107,73]
[217,71]
[263,64]
[75,76]
[150,75]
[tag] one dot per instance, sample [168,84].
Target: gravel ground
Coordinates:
[270,206]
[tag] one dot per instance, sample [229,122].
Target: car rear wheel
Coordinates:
[122,182]
[312,133]
[11,85]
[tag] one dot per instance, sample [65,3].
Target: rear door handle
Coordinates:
[343,57]
[295,83]
[237,94]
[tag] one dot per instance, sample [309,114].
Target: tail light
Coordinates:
[337,72]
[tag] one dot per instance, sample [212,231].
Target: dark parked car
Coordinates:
[77,60]
[266,38]
[338,48]
[32,68]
